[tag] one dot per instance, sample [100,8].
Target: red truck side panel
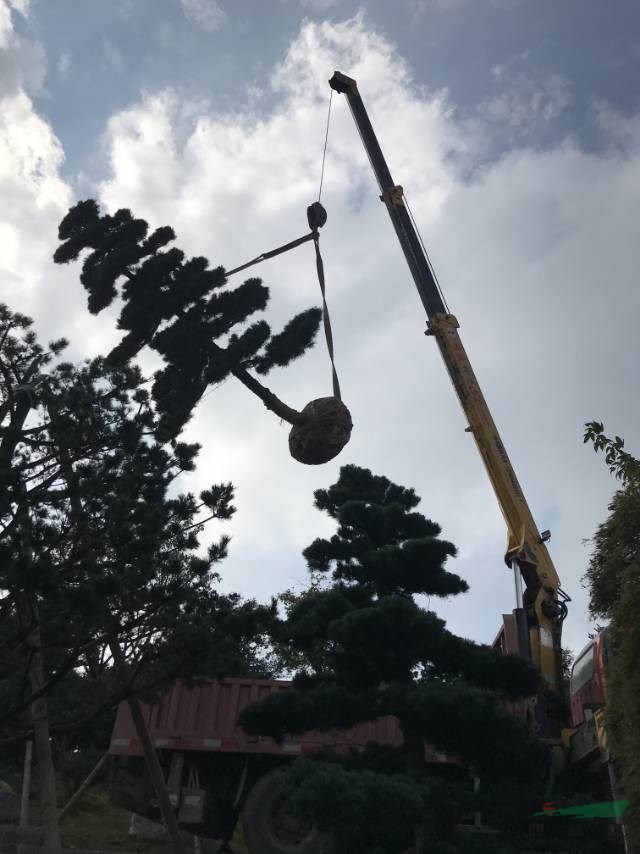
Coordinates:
[204,718]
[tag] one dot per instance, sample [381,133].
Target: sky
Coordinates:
[514,127]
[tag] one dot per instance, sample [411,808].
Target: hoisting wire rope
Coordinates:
[324,150]
[320,268]
[426,254]
[316,216]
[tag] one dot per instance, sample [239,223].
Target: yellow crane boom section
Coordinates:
[525,546]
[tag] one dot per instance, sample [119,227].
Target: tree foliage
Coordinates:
[615,553]
[621,463]
[348,802]
[613,578]
[95,542]
[93,534]
[180,308]
[369,650]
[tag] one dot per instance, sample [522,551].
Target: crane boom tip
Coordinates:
[341,83]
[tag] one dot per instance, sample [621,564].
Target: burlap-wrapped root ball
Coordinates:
[324,432]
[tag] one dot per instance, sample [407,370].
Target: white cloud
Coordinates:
[208,14]
[537,255]
[621,131]
[34,200]
[21,61]
[21,6]
[529,98]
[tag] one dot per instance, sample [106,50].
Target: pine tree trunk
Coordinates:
[150,755]
[415,765]
[26,784]
[28,604]
[46,770]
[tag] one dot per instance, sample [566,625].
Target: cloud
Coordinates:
[620,131]
[208,14]
[528,99]
[21,6]
[537,254]
[22,65]
[34,200]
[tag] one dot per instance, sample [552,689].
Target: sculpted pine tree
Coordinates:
[180,308]
[371,650]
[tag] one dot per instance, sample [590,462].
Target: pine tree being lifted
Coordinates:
[182,310]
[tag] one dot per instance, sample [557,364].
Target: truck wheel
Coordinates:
[268,827]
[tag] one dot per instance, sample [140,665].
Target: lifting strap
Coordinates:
[316,216]
[325,316]
[271,254]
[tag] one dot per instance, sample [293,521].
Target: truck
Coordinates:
[215,773]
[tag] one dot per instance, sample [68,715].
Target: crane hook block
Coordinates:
[316,216]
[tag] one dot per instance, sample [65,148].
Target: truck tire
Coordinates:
[268,829]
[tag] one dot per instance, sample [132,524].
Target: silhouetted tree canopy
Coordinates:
[367,649]
[95,542]
[181,308]
[613,581]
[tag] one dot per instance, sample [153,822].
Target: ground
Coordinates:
[96,823]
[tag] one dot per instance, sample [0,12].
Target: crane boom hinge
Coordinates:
[393,196]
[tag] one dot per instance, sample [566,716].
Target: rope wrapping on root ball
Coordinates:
[323,433]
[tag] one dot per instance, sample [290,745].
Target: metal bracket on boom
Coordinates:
[393,196]
[341,83]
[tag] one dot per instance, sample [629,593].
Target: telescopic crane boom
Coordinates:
[541,610]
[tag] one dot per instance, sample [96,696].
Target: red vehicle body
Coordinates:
[204,718]
[506,642]
[215,771]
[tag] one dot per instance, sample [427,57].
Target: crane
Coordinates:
[541,607]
